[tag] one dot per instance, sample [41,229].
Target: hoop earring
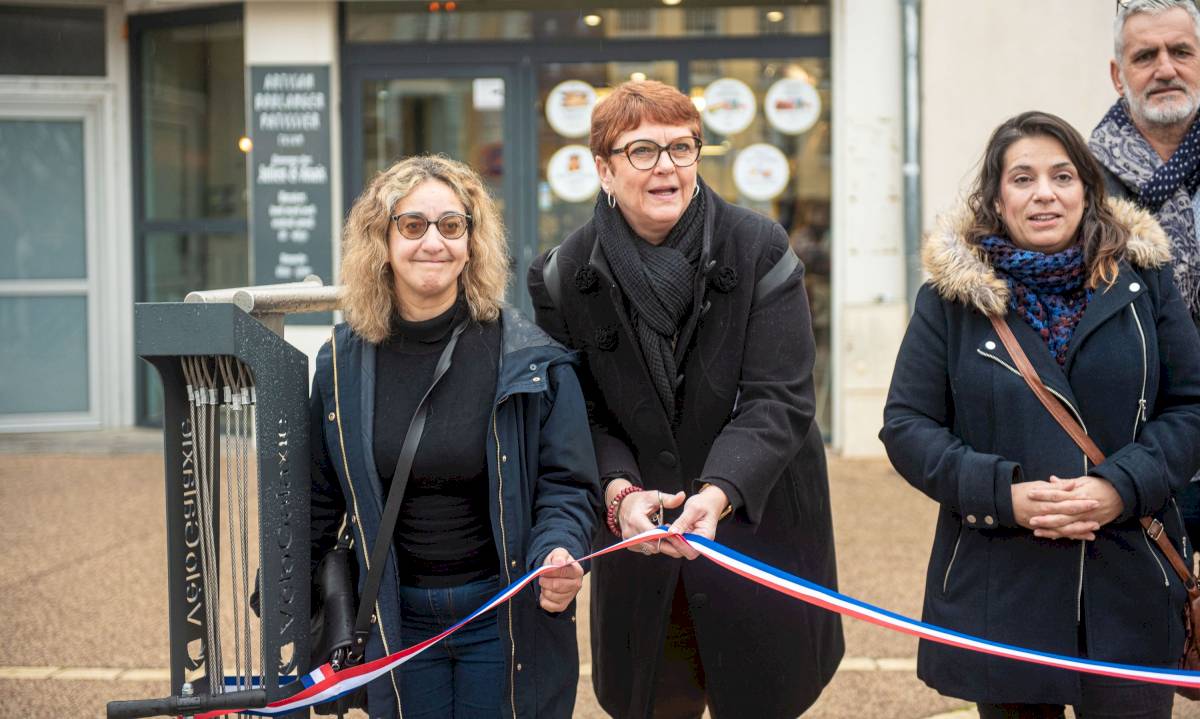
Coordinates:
[612,201]
[695,190]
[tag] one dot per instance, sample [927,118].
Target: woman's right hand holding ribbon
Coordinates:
[640,511]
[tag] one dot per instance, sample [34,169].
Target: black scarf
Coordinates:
[657,280]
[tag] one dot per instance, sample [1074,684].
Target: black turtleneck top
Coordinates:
[443,535]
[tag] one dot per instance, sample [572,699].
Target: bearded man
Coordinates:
[1149,142]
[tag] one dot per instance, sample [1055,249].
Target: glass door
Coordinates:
[47,292]
[472,114]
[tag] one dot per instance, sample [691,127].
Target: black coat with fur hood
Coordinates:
[961,426]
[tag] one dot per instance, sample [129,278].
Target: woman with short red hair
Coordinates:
[692,318]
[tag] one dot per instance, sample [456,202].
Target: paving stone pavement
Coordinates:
[83,598]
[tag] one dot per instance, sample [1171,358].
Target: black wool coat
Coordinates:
[746,424]
[962,426]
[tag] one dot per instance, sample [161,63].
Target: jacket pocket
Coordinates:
[953,558]
[791,478]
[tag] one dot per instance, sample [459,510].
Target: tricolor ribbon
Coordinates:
[323,684]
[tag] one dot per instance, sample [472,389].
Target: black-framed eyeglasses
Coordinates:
[644,154]
[414,225]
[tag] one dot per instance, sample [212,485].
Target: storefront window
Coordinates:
[192,117]
[176,263]
[759,75]
[58,40]
[410,22]
[567,180]
[462,118]
[774,157]
[190,175]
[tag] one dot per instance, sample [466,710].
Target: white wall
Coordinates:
[984,61]
[869,290]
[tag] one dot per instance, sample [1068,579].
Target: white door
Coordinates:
[49,376]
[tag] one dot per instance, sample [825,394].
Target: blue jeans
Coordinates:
[463,676]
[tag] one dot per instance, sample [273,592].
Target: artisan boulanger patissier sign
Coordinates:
[289,176]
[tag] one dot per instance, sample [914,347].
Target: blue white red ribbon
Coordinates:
[323,684]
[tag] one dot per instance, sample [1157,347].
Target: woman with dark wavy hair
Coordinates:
[1035,546]
[503,479]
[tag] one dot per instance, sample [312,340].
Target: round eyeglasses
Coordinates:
[644,154]
[414,225]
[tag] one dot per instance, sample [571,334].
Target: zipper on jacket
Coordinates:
[1078,418]
[362,543]
[953,556]
[512,642]
[1179,514]
[1154,553]
[1140,416]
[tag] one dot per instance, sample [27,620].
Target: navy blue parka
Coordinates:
[962,426]
[543,488]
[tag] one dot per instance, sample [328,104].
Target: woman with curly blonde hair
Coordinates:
[503,478]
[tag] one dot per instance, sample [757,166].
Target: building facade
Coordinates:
[152,147]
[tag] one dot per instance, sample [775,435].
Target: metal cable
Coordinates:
[197,406]
[228,478]
[243,495]
[207,392]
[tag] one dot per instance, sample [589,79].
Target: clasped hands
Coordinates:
[1073,508]
[700,515]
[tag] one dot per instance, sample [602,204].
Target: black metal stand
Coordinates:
[167,332]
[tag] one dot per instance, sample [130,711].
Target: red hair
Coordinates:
[635,102]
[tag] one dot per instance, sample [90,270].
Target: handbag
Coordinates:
[1190,660]
[332,624]
[339,632]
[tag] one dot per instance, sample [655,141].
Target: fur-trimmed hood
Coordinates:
[960,271]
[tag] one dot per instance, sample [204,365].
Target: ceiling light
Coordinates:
[719,149]
[245,144]
[775,16]
[591,20]
[671,3]
[637,76]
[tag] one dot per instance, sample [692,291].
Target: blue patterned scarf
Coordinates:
[1165,189]
[1046,290]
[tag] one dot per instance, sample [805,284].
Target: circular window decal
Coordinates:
[792,106]
[571,173]
[761,172]
[569,108]
[729,106]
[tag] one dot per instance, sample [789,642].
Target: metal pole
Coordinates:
[911,24]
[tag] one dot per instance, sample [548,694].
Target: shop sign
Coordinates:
[569,108]
[289,176]
[761,172]
[729,106]
[792,105]
[487,93]
[572,175]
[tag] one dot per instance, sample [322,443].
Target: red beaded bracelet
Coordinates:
[615,505]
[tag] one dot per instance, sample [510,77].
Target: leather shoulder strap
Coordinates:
[1153,527]
[1053,406]
[391,511]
